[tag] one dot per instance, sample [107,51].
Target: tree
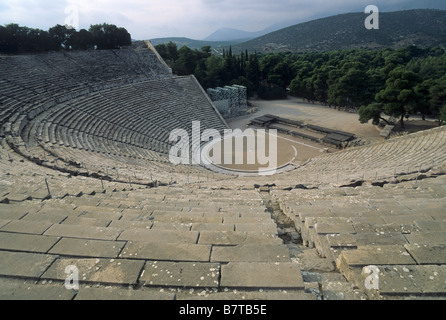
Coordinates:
[81,40]
[109,36]
[438,98]
[399,97]
[252,70]
[60,37]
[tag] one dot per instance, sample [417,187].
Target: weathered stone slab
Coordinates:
[259,227]
[21,264]
[87,248]
[100,215]
[87,221]
[116,293]
[406,218]
[266,275]
[327,228]
[412,279]
[431,226]
[354,240]
[212,227]
[171,226]
[265,295]
[84,232]
[181,274]
[427,253]
[251,252]
[427,238]
[31,227]
[166,251]
[376,255]
[49,217]
[26,242]
[247,220]
[167,236]
[12,212]
[129,224]
[103,271]
[143,217]
[237,237]
[13,289]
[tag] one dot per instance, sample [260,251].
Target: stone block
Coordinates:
[426,237]
[26,242]
[411,280]
[266,275]
[375,255]
[84,232]
[87,248]
[237,237]
[427,253]
[26,265]
[117,293]
[167,236]
[250,252]
[181,274]
[97,271]
[166,251]
[13,289]
[31,227]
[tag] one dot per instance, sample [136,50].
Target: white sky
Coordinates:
[148,19]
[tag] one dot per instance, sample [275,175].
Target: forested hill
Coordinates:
[421,27]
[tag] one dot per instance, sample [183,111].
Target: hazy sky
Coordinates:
[148,19]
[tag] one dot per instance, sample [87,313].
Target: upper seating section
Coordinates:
[121,104]
[30,80]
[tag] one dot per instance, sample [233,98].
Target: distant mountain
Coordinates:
[194,44]
[230,34]
[422,27]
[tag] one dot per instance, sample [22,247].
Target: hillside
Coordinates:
[422,27]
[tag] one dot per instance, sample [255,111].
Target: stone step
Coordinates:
[26,242]
[24,264]
[87,248]
[405,280]
[181,274]
[97,270]
[265,275]
[152,235]
[12,289]
[224,238]
[166,251]
[250,253]
[83,232]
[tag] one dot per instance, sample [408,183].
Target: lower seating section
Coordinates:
[396,232]
[159,243]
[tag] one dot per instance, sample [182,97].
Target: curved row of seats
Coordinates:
[406,154]
[122,104]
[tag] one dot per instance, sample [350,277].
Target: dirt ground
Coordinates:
[317,114]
